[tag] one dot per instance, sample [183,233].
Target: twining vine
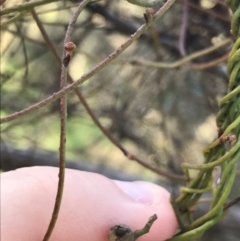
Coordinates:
[223,153]
[151,17]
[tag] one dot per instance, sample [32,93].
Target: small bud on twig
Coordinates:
[69,47]
[148,15]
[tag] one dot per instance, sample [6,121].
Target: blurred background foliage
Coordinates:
[165,116]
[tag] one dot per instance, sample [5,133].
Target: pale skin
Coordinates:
[91,205]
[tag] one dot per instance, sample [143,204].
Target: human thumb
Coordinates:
[91,205]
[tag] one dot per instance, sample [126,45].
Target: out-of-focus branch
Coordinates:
[13,19]
[116,142]
[25,6]
[212,63]
[146,3]
[184,27]
[164,65]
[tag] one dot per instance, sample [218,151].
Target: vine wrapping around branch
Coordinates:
[224,152]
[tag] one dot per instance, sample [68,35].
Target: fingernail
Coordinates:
[139,191]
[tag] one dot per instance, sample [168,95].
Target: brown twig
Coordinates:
[184,27]
[93,116]
[231,203]
[182,61]
[68,46]
[210,64]
[24,49]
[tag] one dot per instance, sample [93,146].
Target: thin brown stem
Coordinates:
[231,203]
[93,116]
[184,27]
[63,114]
[45,36]
[182,61]
[212,63]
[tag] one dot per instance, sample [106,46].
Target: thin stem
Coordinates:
[178,63]
[154,169]
[63,113]
[146,228]
[93,116]
[231,203]
[211,63]
[213,164]
[191,190]
[145,3]
[218,206]
[45,36]
[230,96]
[176,211]
[184,27]
[16,17]
[25,6]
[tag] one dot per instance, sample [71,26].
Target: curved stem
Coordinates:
[63,113]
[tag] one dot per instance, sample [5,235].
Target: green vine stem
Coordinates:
[146,3]
[224,152]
